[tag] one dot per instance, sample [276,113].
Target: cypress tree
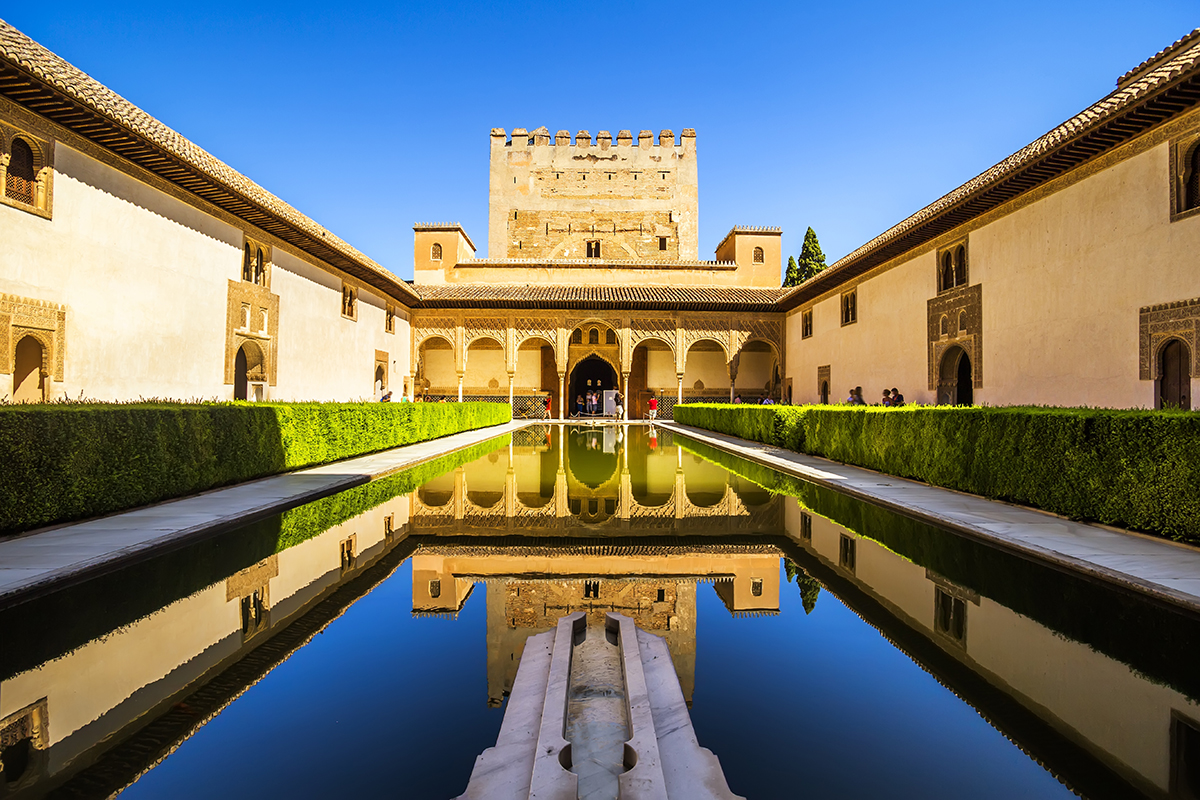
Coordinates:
[812,260]
[792,277]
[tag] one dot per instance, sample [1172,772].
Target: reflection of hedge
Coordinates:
[306,521]
[1133,469]
[51,626]
[1162,644]
[70,461]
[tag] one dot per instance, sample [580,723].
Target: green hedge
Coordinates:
[1133,469]
[63,462]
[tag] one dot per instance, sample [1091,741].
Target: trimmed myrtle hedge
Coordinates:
[1133,469]
[70,461]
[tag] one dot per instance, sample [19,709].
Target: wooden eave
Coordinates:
[45,100]
[1155,107]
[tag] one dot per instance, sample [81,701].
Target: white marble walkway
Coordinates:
[34,562]
[1163,569]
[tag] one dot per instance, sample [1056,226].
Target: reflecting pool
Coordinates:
[363,645]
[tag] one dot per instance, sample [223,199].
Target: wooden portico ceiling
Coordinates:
[1160,88]
[34,77]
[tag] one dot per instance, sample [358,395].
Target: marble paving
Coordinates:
[1165,570]
[35,562]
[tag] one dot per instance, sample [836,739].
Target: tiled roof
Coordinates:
[1162,88]
[667,297]
[34,77]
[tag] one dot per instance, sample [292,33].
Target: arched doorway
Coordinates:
[29,384]
[380,384]
[247,367]
[824,393]
[1174,376]
[651,373]
[592,373]
[955,379]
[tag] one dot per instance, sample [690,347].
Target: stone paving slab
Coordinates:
[41,561]
[1164,570]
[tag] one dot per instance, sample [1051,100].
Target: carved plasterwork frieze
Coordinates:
[1159,324]
[715,329]
[252,315]
[765,329]
[425,327]
[45,322]
[485,328]
[643,328]
[955,318]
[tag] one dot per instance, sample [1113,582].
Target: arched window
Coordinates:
[960,266]
[435,252]
[945,326]
[260,269]
[947,273]
[247,270]
[758,255]
[962,321]
[610,337]
[594,336]
[22,173]
[577,336]
[1192,200]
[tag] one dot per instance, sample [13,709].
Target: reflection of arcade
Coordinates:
[529,588]
[604,481]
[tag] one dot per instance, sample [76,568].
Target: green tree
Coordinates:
[809,587]
[812,260]
[792,276]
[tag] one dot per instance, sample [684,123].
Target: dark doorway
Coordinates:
[596,370]
[965,389]
[824,393]
[240,381]
[1175,378]
[29,384]
[955,380]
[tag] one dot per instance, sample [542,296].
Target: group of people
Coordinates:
[891,398]
[591,403]
[766,401]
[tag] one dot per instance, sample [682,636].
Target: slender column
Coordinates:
[625,394]
[412,387]
[510,388]
[460,380]
[679,394]
[562,395]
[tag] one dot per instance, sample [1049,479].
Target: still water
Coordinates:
[363,645]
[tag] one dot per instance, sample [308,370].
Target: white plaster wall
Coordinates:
[484,366]
[1063,281]
[439,369]
[143,277]
[529,370]
[708,366]
[660,370]
[755,370]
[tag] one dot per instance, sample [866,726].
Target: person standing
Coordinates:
[619,400]
[653,407]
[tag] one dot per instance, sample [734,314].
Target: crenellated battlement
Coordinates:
[541,137]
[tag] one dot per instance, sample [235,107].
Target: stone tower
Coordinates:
[616,200]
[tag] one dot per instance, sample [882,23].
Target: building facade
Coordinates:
[137,265]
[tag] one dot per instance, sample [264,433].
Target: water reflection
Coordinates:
[101,682]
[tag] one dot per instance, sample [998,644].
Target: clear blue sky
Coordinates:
[844,116]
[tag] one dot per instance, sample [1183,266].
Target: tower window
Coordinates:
[758,255]
[435,252]
[662,243]
[952,267]
[593,248]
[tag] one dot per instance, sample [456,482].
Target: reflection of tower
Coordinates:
[517,609]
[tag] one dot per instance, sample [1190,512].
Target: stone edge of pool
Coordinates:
[39,562]
[1166,571]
